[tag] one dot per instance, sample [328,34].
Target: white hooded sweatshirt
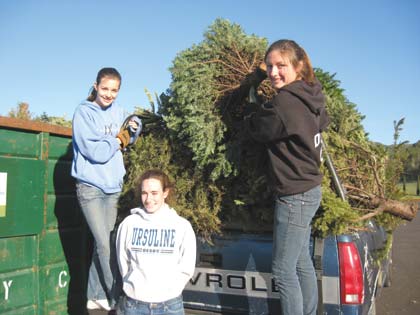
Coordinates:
[156,254]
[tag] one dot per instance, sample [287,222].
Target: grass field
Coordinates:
[410,188]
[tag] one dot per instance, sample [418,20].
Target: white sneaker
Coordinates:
[98,304]
[91,305]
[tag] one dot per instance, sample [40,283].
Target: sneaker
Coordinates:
[98,305]
[91,305]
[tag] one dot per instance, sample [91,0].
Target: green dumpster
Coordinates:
[44,240]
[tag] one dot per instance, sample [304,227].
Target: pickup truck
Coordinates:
[233,274]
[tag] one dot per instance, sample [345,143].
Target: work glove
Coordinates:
[259,74]
[255,79]
[124,137]
[262,70]
[134,127]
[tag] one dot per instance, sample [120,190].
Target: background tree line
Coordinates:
[409,154]
[411,160]
[21,111]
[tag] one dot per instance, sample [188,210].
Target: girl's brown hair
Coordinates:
[104,72]
[295,54]
[158,175]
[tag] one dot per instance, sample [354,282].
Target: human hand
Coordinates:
[257,76]
[263,67]
[124,137]
[261,72]
[135,127]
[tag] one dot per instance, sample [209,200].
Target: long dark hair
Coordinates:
[104,72]
[295,54]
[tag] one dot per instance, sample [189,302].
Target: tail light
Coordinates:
[351,274]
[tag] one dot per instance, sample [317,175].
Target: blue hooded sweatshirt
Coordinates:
[97,158]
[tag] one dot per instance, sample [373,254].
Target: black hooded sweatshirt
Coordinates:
[290,126]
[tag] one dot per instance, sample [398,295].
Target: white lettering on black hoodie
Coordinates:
[290,126]
[156,254]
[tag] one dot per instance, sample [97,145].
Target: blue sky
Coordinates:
[50,51]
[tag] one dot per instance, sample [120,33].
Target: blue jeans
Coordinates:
[129,306]
[293,270]
[100,211]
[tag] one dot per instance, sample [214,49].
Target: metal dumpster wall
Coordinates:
[43,237]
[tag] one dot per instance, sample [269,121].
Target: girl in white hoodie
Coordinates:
[156,252]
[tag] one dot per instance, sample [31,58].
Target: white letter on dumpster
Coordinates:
[6,286]
[62,284]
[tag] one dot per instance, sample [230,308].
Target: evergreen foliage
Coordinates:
[193,198]
[335,216]
[204,79]
[197,137]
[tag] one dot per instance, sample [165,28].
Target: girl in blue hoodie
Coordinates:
[98,169]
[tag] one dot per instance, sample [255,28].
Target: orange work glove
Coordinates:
[124,137]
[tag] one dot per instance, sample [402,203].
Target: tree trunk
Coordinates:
[404,210]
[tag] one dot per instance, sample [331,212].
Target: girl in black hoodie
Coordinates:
[290,126]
